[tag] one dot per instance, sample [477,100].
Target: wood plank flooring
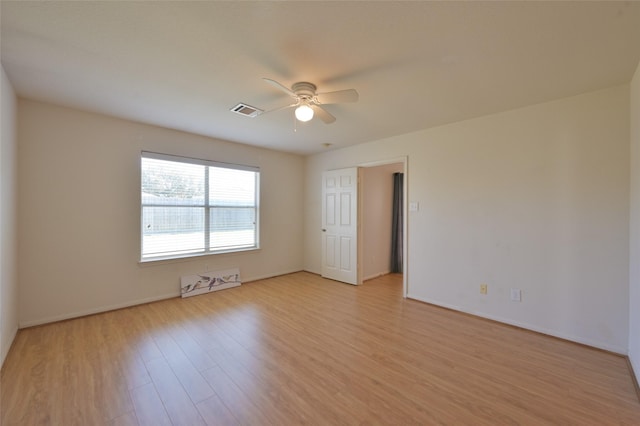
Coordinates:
[300,349]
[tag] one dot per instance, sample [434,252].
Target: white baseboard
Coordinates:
[588,342]
[372,276]
[100,309]
[264,277]
[635,368]
[62,317]
[7,348]
[577,339]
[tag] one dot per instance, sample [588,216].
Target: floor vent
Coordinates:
[205,282]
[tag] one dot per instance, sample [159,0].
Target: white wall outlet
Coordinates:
[414,206]
[516,295]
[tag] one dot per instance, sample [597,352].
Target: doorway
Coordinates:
[368,206]
[377,188]
[376,218]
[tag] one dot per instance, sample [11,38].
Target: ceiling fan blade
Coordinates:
[323,114]
[280,86]
[338,97]
[280,108]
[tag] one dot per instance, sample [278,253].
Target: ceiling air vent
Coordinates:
[246,110]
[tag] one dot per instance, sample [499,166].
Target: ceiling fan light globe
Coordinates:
[304,113]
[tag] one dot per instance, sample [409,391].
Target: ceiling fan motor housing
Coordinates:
[304,90]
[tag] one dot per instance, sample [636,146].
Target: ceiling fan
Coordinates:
[308,102]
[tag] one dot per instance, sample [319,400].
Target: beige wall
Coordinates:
[8,218]
[634,254]
[535,198]
[377,208]
[79,196]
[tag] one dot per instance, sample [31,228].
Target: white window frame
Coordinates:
[206,205]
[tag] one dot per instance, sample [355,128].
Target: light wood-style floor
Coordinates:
[301,349]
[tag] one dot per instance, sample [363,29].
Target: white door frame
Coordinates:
[405,220]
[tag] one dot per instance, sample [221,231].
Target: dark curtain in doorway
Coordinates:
[397,225]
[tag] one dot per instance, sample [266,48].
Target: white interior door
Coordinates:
[340,225]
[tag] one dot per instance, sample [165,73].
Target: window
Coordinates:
[191,207]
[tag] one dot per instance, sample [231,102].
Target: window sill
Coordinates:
[189,257]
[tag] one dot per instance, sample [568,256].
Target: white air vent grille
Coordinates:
[246,110]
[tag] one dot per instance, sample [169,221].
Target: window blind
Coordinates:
[192,207]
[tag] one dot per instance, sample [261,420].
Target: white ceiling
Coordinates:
[183,65]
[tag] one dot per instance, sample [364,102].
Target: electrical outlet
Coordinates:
[516,295]
[483,289]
